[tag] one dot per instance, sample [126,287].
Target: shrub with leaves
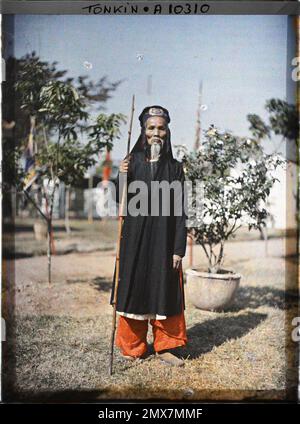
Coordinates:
[73,157]
[235,177]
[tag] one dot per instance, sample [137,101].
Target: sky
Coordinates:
[241,61]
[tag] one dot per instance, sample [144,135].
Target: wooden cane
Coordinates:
[120,226]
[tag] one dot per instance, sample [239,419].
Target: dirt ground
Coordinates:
[58,342]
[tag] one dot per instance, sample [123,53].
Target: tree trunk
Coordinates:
[264,233]
[49,251]
[90,210]
[13,195]
[191,245]
[264,236]
[67,207]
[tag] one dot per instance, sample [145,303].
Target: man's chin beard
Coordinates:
[155,150]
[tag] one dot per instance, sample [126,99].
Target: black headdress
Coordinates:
[142,145]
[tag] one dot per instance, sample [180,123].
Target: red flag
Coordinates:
[106,170]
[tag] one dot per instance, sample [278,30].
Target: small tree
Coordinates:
[57,112]
[235,177]
[54,114]
[68,159]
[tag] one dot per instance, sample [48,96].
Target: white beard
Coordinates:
[155,151]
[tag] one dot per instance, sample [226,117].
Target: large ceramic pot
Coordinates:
[211,292]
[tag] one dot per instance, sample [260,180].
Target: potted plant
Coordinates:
[233,177]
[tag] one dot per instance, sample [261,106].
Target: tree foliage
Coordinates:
[283,121]
[58,129]
[236,177]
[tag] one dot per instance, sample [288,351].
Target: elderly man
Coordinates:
[152,247]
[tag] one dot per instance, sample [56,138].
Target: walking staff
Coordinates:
[121,221]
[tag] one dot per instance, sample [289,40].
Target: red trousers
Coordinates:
[131,335]
[169,333]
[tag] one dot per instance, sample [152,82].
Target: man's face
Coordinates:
[156,130]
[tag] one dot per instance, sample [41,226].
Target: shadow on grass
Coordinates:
[102,284]
[205,336]
[254,297]
[99,283]
[12,255]
[10,228]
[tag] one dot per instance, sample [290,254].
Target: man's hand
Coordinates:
[176,261]
[124,164]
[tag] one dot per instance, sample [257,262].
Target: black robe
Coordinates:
[148,284]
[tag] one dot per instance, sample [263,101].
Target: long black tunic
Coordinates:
[148,284]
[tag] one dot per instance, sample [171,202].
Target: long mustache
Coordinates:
[157,139]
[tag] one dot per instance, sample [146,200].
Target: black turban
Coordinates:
[151,111]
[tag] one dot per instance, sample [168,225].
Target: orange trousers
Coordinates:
[131,335]
[168,333]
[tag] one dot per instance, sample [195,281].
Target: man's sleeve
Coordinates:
[180,226]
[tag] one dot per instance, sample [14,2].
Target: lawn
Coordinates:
[57,344]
